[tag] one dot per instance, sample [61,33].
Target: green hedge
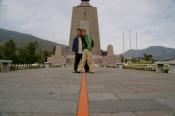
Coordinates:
[144,67]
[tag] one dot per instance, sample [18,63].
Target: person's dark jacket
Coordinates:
[75,45]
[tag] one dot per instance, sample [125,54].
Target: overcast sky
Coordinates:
[154,20]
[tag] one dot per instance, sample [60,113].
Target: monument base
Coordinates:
[97,59]
[59,59]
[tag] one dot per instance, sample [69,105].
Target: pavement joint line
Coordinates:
[83,103]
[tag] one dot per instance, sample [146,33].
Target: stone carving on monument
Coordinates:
[111,59]
[84,16]
[110,51]
[58,58]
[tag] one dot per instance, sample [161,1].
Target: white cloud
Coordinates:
[152,19]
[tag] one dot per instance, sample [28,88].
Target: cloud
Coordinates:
[147,17]
[154,21]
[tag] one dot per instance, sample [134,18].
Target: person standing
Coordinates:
[87,42]
[77,48]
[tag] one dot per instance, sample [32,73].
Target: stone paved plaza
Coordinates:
[112,92]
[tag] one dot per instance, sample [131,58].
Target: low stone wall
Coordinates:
[25,66]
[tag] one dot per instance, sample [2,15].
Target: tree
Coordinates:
[126,60]
[9,50]
[31,50]
[148,57]
[1,51]
[134,60]
[122,59]
[27,55]
[46,54]
[22,56]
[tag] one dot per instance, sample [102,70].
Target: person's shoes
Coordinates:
[92,72]
[80,71]
[76,72]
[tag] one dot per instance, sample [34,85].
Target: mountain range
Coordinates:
[22,39]
[158,52]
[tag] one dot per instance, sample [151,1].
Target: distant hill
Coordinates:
[158,52]
[22,39]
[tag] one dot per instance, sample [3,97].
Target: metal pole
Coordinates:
[123,46]
[123,42]
[136,48]
[130,43]
[136,41]
[130,38]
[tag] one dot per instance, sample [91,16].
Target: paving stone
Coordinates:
[126,114]
[168,102]
[155,113]
[3,101]
[145,95]
[95,86]
[34,114]
[111,106]
[101,96]
[135,96]
[55,92]
[63,97]
[18,95]
[39,106]
[114,114]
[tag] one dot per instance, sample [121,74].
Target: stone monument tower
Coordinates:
[85,16]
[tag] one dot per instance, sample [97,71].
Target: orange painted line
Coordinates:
[83,108]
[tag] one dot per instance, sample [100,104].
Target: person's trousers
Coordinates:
[87,57]
[78,58]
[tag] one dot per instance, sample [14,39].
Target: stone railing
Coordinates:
[25,66]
